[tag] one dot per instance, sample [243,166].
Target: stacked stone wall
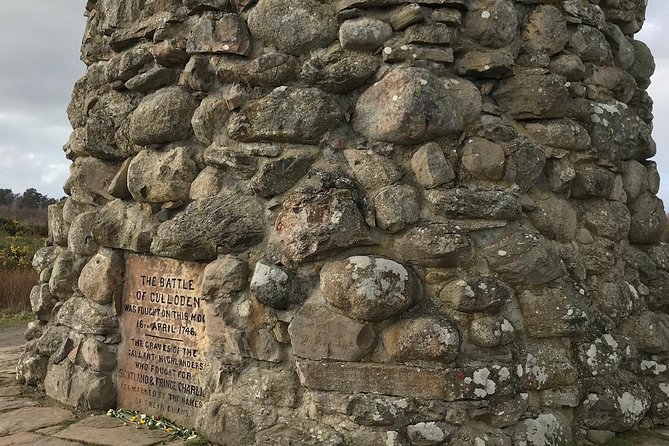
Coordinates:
[423,223]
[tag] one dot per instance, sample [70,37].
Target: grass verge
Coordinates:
[15,286]
[636,438]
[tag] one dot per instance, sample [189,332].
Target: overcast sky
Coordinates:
[39,64]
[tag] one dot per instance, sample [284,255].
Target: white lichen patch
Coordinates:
[264,275]
[379,277]
[633,290]
[602,355]
[481,378]
[653,366]
[610,341]
[533,368]
[591,400]
[631,407]
[429,431]
[480,393]
[592,355]
[244,309]
[612,109]
[545,430]
[664,387]
[507,327]
[446,336]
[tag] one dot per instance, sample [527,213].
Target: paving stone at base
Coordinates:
[106,431]
[7,389]
[30,439]
[31,418]
[9,353]
[8,403]
[654,442]
[50,431]
[8,362]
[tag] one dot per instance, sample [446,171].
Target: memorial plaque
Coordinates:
[163,339]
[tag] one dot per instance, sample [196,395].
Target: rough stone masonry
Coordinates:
[386,223]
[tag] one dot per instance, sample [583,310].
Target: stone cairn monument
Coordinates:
[361,222]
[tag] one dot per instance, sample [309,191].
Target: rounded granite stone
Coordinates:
[369,288]
[412,105]
[163,117]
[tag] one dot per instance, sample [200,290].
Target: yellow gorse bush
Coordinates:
[17,251]
[16,256]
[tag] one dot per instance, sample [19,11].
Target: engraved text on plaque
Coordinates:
[161,353]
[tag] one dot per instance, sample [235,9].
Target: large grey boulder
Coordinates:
[372,170]
[312,224]
[271,286]
[288,114]
[555,218]
[524,257]
[66,269]
[224,223]
[431,167]
[412,105]
[339,70]
[397,207]
[158,176]
[364,33]
[163,117]
[491,23]
[125,225]
[644,64]
[648,219]
[561,309]
[485,294]
[474,204]
[434,245]
[89,180]
[80,239]
[369,288]
[618,133]
[277,175]
[591,45]
[105,118]
[225,34]
[545,30]
[311,24]
[534,96]
[547,429]
[42,301]
[616,403]
[101,279]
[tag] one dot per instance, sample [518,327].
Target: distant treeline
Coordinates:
[30,199]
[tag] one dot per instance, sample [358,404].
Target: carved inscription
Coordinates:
[163,339]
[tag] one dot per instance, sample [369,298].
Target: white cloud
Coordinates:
[654,34]
[39,47]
